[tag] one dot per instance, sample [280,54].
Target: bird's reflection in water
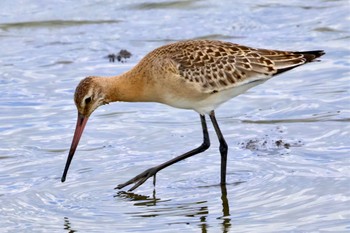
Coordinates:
[225,210]
[140,200]
[194,209]
[67,225]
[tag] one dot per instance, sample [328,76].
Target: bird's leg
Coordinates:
[142,177]
[223,147]
[154,180]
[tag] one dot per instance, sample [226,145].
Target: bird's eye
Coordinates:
[88,100]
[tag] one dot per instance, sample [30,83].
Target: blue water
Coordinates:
[289,138]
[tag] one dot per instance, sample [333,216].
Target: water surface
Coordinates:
[288,165]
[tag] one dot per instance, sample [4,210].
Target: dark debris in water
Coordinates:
[274,143]
[264,143]
[121,56]
[280,143]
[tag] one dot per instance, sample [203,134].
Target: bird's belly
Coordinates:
[204,103]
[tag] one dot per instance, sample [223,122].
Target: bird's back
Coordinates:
[216,65]
[199,68]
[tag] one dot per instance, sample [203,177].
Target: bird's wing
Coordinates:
[216,66]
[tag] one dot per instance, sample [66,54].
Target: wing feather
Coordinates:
[215,65]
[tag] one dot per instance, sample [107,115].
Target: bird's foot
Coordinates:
[140,179]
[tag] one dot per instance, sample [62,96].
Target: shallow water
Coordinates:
[289,138]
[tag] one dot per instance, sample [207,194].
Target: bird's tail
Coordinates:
[311,55]
[307,56]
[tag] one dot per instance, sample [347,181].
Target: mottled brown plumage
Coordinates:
[217,65]
[195,74]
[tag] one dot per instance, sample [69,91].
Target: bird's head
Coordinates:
[88,97]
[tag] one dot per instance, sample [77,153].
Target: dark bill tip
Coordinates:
[81,122]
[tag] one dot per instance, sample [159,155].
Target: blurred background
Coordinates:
[288,167]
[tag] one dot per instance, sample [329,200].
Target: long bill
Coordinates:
[79,128]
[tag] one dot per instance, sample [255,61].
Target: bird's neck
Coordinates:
[127,87]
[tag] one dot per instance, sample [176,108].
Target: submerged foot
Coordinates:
[140,179]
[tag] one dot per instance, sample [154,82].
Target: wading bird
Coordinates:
[194,74]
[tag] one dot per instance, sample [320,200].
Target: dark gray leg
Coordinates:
[223,147]
[141,178]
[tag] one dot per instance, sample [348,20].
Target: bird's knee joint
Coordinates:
[223,147]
